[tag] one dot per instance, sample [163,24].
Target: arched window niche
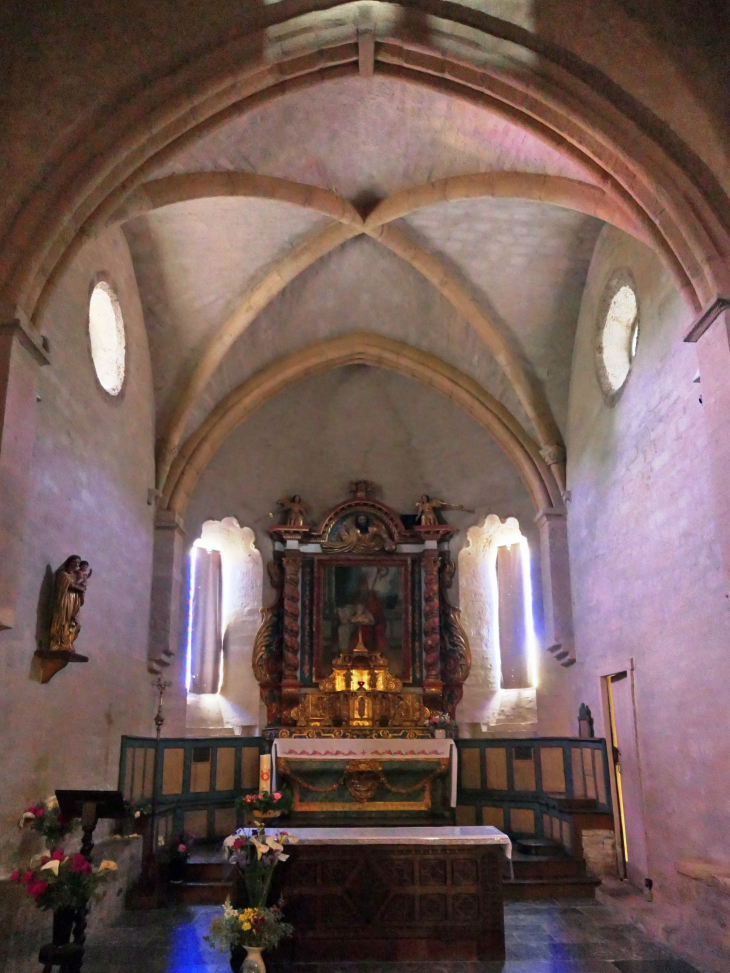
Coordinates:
[224,613]
[495,597]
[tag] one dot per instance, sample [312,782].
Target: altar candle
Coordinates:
[265,773]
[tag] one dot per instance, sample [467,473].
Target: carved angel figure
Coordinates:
[295,510]
[357,535]
[69,591]
[427,507]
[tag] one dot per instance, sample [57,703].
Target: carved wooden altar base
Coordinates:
[396,903]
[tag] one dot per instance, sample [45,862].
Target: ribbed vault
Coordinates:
[376,351]
[548,92]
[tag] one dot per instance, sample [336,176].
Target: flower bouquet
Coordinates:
[439,723]
[174,853]
[137,809]
[265,806]
[251,929]
[256,856]
[64,883]
[48,820]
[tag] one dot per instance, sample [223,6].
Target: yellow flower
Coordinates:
[247,926]
[108,866]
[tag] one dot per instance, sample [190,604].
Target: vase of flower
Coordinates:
[253,955]
[63,921]
[238,955]
[245,933]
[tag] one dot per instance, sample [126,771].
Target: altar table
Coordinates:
[396,893]
[420,760]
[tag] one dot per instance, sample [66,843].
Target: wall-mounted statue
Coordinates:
[69,592]
[427,506]
[296,511]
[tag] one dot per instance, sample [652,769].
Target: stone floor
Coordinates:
[541,937]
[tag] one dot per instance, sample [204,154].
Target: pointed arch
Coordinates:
[557,96]
[380,352]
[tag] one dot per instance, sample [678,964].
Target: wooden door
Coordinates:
[628,774]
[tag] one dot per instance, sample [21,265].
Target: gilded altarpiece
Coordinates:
[361,641]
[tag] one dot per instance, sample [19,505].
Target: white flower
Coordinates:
[108,866]
[51,802]
[27,816]
[282,858]
[51,866]
[260,846]
[138,814]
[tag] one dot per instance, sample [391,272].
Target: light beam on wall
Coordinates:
[189,652]
[530,640]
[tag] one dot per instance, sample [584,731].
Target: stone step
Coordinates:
[547,867]
[538,846]
[200,893]
[206,871]
[527,890]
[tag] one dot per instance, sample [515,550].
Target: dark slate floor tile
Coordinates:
[654,966]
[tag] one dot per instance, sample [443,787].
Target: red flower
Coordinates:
[38,811]
[80,865]
[36,889]
[239,843]
[57,855]
[28,877]
[62,819]
[277,796]
[45,859]
[15,877]
[182,849]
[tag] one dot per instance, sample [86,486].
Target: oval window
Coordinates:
[618,333]
[106,331]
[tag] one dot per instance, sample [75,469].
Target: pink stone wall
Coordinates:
[92,466]
[648,584]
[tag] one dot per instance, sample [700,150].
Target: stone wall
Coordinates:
[92,467]
[648,586]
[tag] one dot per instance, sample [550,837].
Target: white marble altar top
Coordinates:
[464,835]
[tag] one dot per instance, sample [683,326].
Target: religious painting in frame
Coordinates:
[368,597]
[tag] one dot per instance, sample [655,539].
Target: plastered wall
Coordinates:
[648,587]
[92,466]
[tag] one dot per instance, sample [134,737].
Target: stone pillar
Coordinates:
[166,652]
[710,334]
[556,595]
[21,354]
[167,581]
[292,608]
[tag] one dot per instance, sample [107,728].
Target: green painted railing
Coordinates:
[196,781]
[533,786]
[521,786]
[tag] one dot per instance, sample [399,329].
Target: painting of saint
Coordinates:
[363,603]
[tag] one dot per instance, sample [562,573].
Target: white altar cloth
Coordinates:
[369,749]
[463,835]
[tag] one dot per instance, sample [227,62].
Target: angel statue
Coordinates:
[295,510]
[427,507]
[69,591]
